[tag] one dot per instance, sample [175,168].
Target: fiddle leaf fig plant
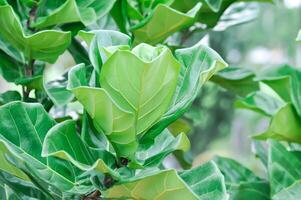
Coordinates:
[105,126]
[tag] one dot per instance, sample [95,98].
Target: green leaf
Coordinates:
[147,87]
[62,141]
[151,31]
[164,144]
[44,45]
[206,181]
[241,182]
[22,131]
[116,123]
[284,175]
[9,96]
[286,81]
[16,188]
[164,184]
[104,44]
[239,81]
[57,91]
[260,151]
[198,64]
[58,13]
[285,125]
[212,10]
[260,102]
[10,69]
[78,76]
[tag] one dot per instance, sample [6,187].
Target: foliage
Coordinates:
[131,97]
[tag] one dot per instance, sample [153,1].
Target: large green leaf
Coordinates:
[284,173]
[285,125]
[241,182]
[165,185]
[44,45]
[146,87]
[116,123]
[16,188]
[163,22]
[204,182]
[64,142]
[22,131]
[198,64]
[57,12]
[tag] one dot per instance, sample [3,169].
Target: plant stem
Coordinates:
[93,196]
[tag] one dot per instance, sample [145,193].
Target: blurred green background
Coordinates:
[216,126]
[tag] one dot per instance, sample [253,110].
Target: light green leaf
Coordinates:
[58,13]
[239,81]
[116,123]
[285,177]
[44,45]
[64,142]
[285,125]
[241,182]
[165,185]
[22,131]
[198,64]
[151,31]
[164,144]
[147,87]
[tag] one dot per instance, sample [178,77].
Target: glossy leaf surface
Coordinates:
[44,45]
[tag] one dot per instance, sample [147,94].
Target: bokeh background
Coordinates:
[215,126]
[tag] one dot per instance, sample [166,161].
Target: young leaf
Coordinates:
[58,13]
[198,64]
[285,177]
[163,22]
[110,119]
[241,182]
[44,45]
[22,131]
[164,144]
[146,88]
